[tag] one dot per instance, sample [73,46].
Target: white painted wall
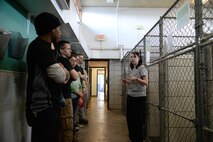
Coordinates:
[71,17]
[119,27]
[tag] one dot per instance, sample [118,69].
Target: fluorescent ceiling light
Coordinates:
[203,1]
[109,1]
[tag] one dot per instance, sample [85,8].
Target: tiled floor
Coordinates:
[104,125]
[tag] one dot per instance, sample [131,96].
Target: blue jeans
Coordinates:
[82,111]
[75,109]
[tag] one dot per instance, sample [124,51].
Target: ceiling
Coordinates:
[128,3]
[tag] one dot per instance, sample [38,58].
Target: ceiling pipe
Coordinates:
[118,49]
[117,28]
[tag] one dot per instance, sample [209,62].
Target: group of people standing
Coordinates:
[56,86]
[57,91]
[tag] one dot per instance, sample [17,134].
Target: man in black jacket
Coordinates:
[45,77]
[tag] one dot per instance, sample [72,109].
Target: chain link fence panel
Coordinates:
[171,59]
[208,49]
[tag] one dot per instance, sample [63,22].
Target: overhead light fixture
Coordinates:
[203,1]
[109,1]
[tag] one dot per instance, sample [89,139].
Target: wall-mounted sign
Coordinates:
[100,37]
[183,16]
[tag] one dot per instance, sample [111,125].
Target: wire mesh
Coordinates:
[175,38]
[180,98]
[178,73]
[125,74]
[208,17]
[153,121]
[208,49]
[171,60]
[208,103]
[152,43]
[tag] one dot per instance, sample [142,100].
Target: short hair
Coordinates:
[73,55]
[61,44]
[80,54]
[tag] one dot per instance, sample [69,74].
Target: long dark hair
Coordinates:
[135,53]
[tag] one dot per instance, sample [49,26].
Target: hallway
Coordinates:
[104,125]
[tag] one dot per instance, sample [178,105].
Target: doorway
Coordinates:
[101,83]
[98,78]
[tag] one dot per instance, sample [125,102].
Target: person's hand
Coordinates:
[67,73]
[124,81]
[128,80]
[80,102]
[133,78]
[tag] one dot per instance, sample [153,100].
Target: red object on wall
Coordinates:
[100,37]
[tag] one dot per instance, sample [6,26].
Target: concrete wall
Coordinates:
[13,76]
[13,126]
[115,86]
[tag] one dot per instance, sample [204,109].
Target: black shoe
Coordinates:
[75,138]
[83,121]
[76,131]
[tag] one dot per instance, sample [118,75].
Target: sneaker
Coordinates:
[76,131]
[79,125]
[76,128]
[83,121]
